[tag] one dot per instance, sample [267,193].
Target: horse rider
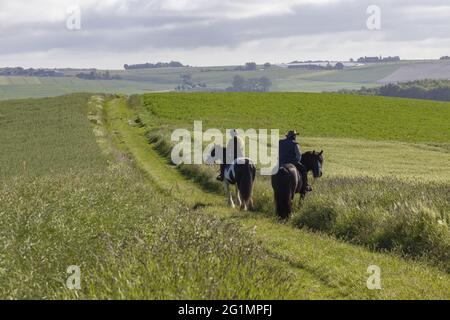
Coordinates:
[234,150]
[289,152]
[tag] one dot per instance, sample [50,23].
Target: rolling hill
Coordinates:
[219,78]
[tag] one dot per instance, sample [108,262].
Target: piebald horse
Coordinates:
[240,173]
[287,181]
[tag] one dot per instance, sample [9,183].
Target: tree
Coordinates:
[250,66]
[339,66]
[265,83]
[267,65]
[238,82]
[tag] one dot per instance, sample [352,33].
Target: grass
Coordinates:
[322,266]
[100,213]
[314,115]
[129,241]
[377,193]
[47,136]
[140,228]
[34,87]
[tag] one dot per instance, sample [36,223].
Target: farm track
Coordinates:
[323,267]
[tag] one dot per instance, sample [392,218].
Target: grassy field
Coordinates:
[381,193]
[81,186]
[313,115]
[68,197]
[34,87]
[166,79]
[309,256]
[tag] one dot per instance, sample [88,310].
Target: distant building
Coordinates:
[369,59]
[378,59]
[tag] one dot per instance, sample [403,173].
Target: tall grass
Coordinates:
[409,219]
[128,244]
[89,206]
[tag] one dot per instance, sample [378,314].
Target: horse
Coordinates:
[287,181]
[241,173]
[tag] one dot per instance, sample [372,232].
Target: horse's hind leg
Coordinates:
[229,195]
[251,205]
[238,197]
[241,203]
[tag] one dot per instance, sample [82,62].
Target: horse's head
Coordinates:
[313,161]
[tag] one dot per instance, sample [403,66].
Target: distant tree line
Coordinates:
[240,84]
[188,85]
[378,59]
[19,71]
[313,66]
[171,64]
[444,58]
[94,75]
[249,66]
[420,89]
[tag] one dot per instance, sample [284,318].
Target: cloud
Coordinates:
[235,29]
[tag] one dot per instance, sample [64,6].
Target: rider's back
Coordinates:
[287,152]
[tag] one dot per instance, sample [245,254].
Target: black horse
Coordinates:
[241,173]
[287,181]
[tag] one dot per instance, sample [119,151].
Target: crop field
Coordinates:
[36,87]
[83,183]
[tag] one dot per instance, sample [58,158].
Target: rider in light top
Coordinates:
[234,150]
[289,152]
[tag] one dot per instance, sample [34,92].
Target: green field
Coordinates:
[313,115]
[81,185]
[68,197]
[219,78]
[385,160]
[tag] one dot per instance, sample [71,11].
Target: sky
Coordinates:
[106,34]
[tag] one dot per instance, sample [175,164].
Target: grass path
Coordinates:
[323,267]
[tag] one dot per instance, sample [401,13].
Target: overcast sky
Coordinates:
[35,33]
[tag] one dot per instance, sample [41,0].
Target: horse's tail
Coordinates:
[283,193]
[245,176]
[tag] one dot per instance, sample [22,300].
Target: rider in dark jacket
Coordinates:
[289,152]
